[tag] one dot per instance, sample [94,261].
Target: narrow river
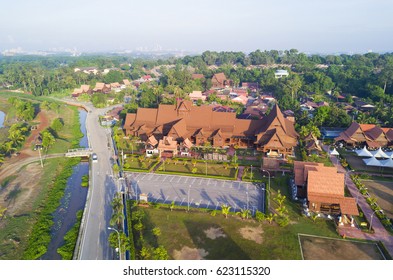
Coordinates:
[74,199]
[2,117]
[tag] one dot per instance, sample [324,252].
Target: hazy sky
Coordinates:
[198,25]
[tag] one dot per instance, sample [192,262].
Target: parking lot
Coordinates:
[197,192]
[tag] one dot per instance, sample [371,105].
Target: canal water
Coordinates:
[74,199]
[2,117]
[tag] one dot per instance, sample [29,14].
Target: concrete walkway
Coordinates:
[380,233]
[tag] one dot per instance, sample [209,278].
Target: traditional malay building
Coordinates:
[189,125]
[366,134]
[324,189]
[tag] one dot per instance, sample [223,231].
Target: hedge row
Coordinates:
[67,250]
[130,233]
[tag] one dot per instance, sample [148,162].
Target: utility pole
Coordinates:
[39,152]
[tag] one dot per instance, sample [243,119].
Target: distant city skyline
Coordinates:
[311,26]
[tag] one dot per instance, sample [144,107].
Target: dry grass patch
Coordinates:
[187,253]
[214,233]
[252,233]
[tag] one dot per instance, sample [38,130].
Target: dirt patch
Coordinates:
[17,197]
[214,233]
[187,253]
[252,233]
[316,248]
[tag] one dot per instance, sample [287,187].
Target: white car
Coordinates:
[94,157]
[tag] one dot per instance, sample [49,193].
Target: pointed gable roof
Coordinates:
[152,140]
[219,77]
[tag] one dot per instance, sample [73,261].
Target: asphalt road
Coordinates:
[98,211]
[197,192]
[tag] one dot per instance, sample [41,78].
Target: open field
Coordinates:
[22,197]
[317,248]
[383,191]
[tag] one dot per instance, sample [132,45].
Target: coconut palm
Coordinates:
[243,213]
[225,210]
[117,219]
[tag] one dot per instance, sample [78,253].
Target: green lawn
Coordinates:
[200,168]
[133,162]
[181,229]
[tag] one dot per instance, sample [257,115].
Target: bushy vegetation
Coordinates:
[67,250]
[40,235]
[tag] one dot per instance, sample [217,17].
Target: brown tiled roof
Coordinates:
[85,88]
[130,118]
[325,181]
[313,145]
[299,171]
[99,86]
[348,206]
[219,77]
[188,143]
[152,140]
[126,82]
[197,76]
[167,143]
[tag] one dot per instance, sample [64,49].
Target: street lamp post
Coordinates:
[247,204]
[118,239]
[268,190]
[136,191]
[188,198]
[372,215]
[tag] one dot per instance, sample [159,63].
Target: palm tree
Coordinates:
[8,148]
[280,198]
[270,217]
[117,203]
[225,210]
[117,219]
[243,213]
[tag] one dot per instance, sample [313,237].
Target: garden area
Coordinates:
[198,167]
[139,163]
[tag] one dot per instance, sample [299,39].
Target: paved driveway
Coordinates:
[197,192]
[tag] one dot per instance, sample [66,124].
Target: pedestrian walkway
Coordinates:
[240,173]
[380,233]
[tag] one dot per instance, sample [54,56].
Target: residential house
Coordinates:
[84,89]
[324,189]
[240,99]
[312,145]
[253,87]
[273,135]
[102,87]
[87,70]
[197,95]
[220,81]
[280,73]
